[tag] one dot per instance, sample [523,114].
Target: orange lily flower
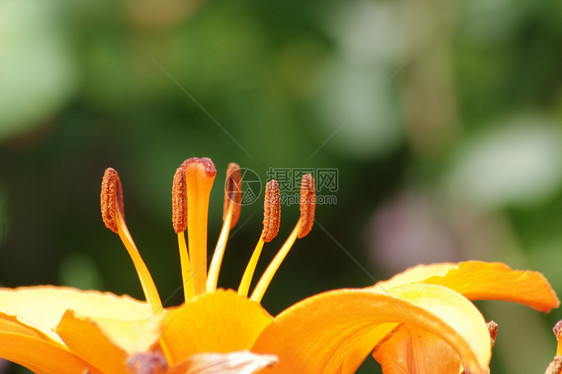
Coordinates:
[419,321]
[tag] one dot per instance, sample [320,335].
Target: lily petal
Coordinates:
[31,348]
[219,322]
[416,274]
[107,344]
[40,355]
[10,324]
[413,350]
[496,281]
[478,280]
[323,323]
[42,307]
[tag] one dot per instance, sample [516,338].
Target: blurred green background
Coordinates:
[444,119]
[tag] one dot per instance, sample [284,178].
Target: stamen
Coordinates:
[557,329]
[271,211]
[271,217]
[232,193]
[199,176]
[493,331]
[307,217]
[214,269]
[179,201]
[555,367]
[179,221]
[250,269]
[231,214]
[267,276]
[111,199]
[307,204]
[114,218]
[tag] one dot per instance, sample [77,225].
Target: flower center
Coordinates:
[191,190]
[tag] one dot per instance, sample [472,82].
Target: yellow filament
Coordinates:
[215,267]
[186,272]
[250,269]
[267,276]
[148,286]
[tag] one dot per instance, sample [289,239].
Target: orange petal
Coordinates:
[413,350]
[416,274]
[107,344]
[42,307]
[323,333]
[478,280]
[40,355]
[10,324]
[219,322]
[30,348]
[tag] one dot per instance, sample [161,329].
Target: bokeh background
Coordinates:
[443,119]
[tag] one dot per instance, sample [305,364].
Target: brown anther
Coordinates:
[111,199]
[557,329]
[555,367]
[493,330]
[271,211]
[307,204]
[232,193]
[179,201]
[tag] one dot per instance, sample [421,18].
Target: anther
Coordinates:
[232,193]
[179,221]
[179,201]
[111,199]
[557,329]
[493,331]
[555,367]
[271,211]
[307,204]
